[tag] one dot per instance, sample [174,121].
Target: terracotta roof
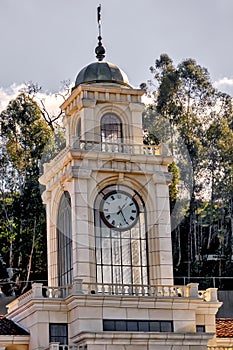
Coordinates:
[8,327]
[224,327]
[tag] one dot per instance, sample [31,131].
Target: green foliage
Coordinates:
[24,135]
[190,114]
[173,188]
[54,145]
[25,132]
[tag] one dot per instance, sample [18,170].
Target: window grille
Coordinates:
[121,256]
[58,333]
[64,241]
[137,326]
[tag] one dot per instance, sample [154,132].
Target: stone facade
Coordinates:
[84,312]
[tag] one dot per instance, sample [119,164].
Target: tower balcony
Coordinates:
[122,151]
[154,154]
[120,147]
[96,311]
[92,290]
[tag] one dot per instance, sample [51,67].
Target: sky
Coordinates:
[48,41]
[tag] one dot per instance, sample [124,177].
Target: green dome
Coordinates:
[101,72]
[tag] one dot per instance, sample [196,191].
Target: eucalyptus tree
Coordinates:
[24,135]
[219,167]
[190,114]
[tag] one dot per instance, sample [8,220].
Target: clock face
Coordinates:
[119,210]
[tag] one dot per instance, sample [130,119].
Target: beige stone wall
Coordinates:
[84,315]
[12,344]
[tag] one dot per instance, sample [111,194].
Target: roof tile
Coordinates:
[8,327]
[224,327]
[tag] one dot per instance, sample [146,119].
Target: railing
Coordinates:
[117,147]
[80,288]
[156,291]
[134,290]
[58,346]
[137,290]
[106,147]
[118,289]
[56,292]
[110,147]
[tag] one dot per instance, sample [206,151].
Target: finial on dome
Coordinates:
[99,50]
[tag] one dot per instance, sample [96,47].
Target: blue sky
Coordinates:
[47,41]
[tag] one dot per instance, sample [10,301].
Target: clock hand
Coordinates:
[124,217]
[120,208]
[123,206]
[120,211]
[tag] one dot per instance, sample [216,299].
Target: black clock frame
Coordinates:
[102,214]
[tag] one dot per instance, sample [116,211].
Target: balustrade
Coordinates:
[136,290]
[117,147]
[58,346]
[80,288]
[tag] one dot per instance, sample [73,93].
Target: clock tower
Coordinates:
[109,237]
[107,193]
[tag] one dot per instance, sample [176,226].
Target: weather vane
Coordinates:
[99,18]
[99,50]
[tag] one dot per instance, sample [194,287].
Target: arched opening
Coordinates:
[64,241]
[78,129]
[111,133]
[121,237]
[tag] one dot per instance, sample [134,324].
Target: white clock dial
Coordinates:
[119,210]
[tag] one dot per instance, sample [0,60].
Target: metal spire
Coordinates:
[99,50]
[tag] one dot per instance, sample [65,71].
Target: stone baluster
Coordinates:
[54,346]
[211,294]
[193,290]
[37,290]
[77,286]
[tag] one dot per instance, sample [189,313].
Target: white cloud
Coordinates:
[147,99]
[225,85]
[223,81]
[51,101]
[6,95]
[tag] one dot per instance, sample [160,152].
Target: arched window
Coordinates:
[111,132]
[78,131]
[121,237]
[64,241]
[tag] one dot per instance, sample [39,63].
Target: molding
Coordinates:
[142,338]
[6,340]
